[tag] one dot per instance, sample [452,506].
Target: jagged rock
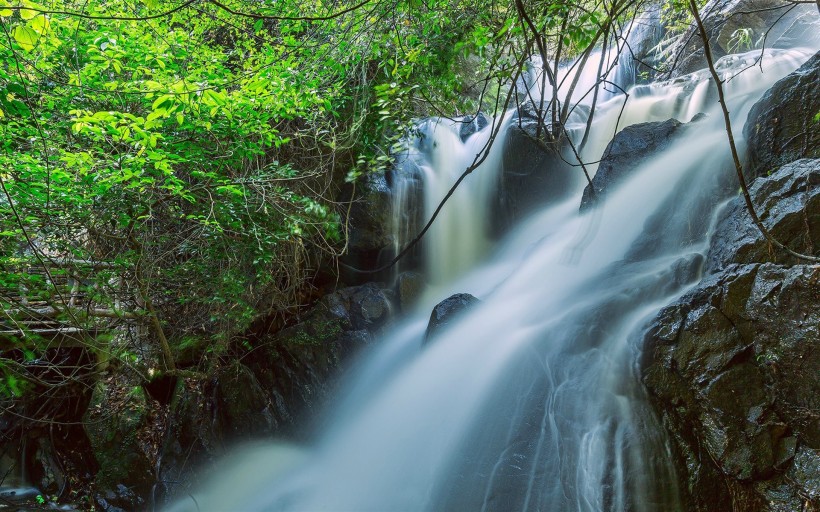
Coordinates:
[732,365]
[628,150]
[781,127]
[787,202]
[740,25]
[447,311]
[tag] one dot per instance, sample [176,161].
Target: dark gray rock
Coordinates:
[281,381]
[471,125]
[447,312]
[370,236]
[740,25]
[534,173]
[299,365]
[781,127]
[788,204]
[409,287]
[629,149]
[731,366]
[119,499]
[206,416]
[116,422]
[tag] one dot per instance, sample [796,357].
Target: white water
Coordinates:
[531,402]
[458,239]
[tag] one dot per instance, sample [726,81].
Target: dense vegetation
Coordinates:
[177,168]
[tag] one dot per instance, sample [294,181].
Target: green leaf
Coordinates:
[40,24]
[25,37]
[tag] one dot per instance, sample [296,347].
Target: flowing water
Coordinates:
[531,401]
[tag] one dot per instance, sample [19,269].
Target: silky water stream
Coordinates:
[532,400]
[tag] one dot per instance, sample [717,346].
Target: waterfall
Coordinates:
[531,401]
[458,239]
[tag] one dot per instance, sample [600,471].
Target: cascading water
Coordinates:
[458,238]
[530,401]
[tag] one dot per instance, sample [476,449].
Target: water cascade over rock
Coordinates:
[530,400]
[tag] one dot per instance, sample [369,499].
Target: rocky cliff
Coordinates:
[732,366]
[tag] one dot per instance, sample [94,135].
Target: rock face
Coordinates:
[205,417]
[446,312]
[781,127]
[533,173]
[631,147]
[740,25]
[271,390]
[732,366]
[298,365]
[119,422]
[370,242]
[788,204]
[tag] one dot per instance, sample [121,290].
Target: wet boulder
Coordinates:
[629,149]
[533,172]
[732,369]
[299,365]
[782,126]
[788,204]
[731,366]
[446,312]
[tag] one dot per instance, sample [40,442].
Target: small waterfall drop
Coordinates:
[531,401]
[458,238]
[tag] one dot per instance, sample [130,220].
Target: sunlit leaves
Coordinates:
[25,36]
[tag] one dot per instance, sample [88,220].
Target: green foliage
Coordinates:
[197,148]
[741,40]
[161,146]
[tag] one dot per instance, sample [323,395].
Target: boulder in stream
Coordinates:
[446,312]
[629,149]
